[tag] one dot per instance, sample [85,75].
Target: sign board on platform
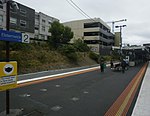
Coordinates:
[8,75]
[14,36]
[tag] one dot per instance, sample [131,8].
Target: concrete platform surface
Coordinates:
[142,106]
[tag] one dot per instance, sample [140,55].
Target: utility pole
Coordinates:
[120,26]
[113,23]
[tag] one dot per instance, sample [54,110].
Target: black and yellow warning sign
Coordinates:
[8,75]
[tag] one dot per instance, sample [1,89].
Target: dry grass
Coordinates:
[34,60]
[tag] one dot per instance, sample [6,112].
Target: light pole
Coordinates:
[120,26]
[113,23]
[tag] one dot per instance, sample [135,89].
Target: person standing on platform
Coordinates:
[102,66]
[111,64]
[123,65]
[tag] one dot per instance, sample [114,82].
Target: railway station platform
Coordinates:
[142,105]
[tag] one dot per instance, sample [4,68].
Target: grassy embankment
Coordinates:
[34,58]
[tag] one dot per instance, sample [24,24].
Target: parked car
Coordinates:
[117,67]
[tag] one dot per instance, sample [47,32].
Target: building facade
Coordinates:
[95,32]
[117,39]
[42,25]
[22,19]
[25,19]
[2,16]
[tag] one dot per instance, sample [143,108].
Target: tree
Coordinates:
[56,30]
[69,51]
[59,34]
[81,46]
[67,35]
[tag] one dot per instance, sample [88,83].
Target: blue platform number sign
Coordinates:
[14,36]
[10,36]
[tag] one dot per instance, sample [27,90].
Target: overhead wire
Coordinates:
[76,9]
[74,5]
[80,9]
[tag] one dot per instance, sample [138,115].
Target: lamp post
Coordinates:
[120,26]
[113,23]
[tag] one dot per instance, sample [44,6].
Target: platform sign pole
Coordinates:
[7,52]
[9,81]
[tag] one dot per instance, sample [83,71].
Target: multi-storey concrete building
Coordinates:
[95,32]
[42,25]
[2,16]
[21,20]
[25,19]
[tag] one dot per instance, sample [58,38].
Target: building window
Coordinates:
[91,41]
[43,28]
[23,23]
[91,25]
[36,28]
[49,22]
[1,4]
[13,21]
[36,36]
[36,16]
[23,12]
[42,37]
[91,33]
[1,19]
[43,21]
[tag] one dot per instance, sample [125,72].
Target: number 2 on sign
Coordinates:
[25,38]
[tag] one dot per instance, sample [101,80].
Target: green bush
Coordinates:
[94,56]
[69,52]
[20,46]
[80,46]
[115,55]
[107,58]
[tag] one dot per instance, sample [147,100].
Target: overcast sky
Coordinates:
[137,13]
